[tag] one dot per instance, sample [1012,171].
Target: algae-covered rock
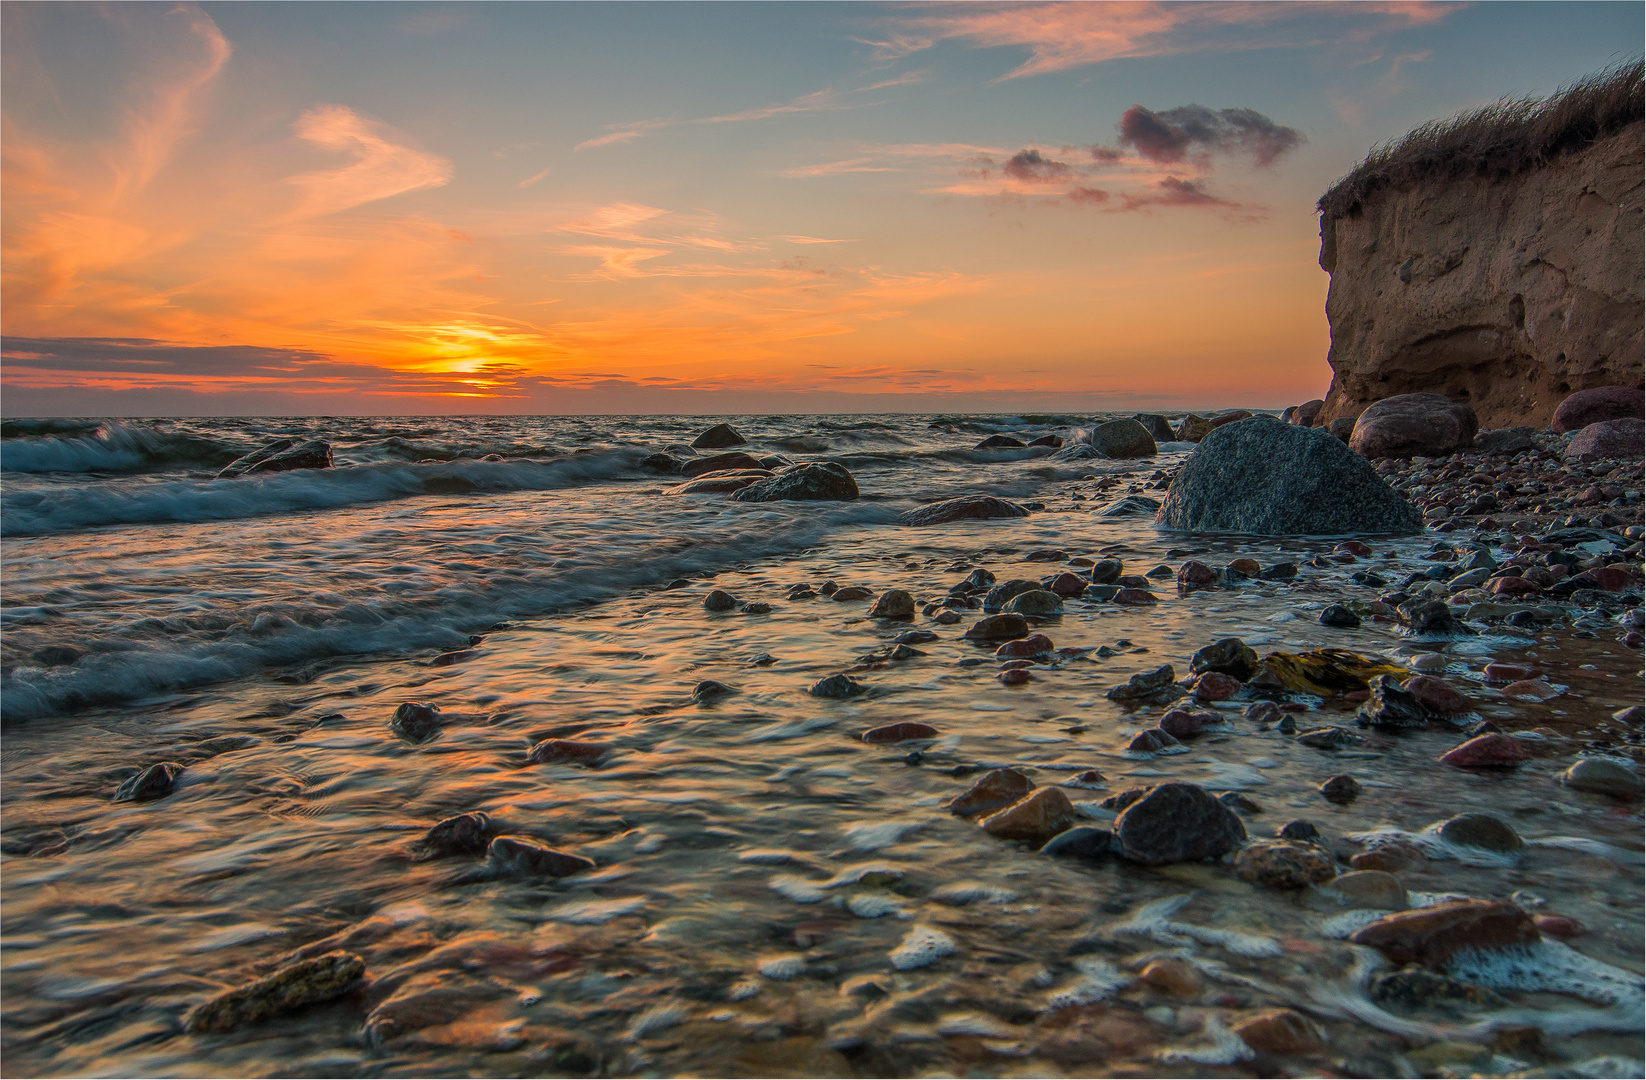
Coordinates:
[296,986]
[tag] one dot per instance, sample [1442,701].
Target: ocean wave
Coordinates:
[184,650]
[57,510]
[108,446]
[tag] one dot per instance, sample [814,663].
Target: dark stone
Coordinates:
[1230,656]
[1119,801]
[1080,842]
[282,455]
[1129,506]
[718,438]
[1433,935]
[719,600]
[719,463]
[1000,442]
[518,855]
[822,481]
[718,483]
[1408,425]
[1307,413]
[1341,429]
[965,508]
[1391,706]
[1176,823]
[708,690]
[1481,831]
[1283,571]
[463,834]
[1298,829]
[154,782]
[1152,741]
[1237,801]
[1158,427]
[1412,989]
[1053,441]
[1327,738]
[1342,789]
[1122,439]
[1145,685]
[285,991]
[1107,571]
[993,791]
[1004,627]
[835,686]
[1430,617]
[915,637]
[1505,440]
[1340,617]
[416,722]
[1262,476]
[1001,594]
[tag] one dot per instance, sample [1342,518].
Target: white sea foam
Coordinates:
[921,946]
[594,912]
[1097,979]
[874,835]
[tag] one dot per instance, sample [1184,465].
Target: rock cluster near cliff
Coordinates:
[1508,289]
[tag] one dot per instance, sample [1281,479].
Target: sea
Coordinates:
[771,895]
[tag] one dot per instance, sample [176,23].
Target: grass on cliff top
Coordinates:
[1497,140]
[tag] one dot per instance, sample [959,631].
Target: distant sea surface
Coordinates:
[121,545]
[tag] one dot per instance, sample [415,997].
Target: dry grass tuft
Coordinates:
[1498,140]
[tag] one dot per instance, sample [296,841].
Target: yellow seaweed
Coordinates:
[1328,672]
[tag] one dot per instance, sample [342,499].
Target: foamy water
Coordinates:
[771,895]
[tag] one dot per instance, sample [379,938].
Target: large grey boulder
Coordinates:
[1262,476]
[816,480]
[1122,439]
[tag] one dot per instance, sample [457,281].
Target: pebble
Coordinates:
[293,987]
[1035,602]
[1182,724]
[519,855]
[1481,831]
[719,600]
[946,617]
[853,592]
[1603,777]
[1145,685]
[1263,712]
[755,607]
[1281,1032]
[1371,889]
[154,782]
[1493,750]
[1036,817]
[837,687]
[915,637]
[1282,864]
[1151,741]
[1342,789]
[415,722]
[1432,935]
[1172,976]
[991,792]
[1435,695]
[1176,822]
[900,732]
[1135,597]
[1299,829]
[1195,575]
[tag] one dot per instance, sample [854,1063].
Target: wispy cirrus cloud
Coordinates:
[1062,36]
[385,163]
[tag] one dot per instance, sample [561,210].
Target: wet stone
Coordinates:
[1371,889]
[1134,598]
[1182,724]
[709,690]
[1035,602]
[1492,750]
[1122,799]
[519,856]
[1282,1032]
[416,722]
[1216,686]
[1430,618]
[1436,696]
[893,604]
[566,751]
[1035,645]
[154,782]
[1339,617]
[1263,712]
[1000,595]
[1342,789]
[1171,976]
[915,637]
[1151,741]
[1230,656]
[1430,936]
[1603,776]
[1390,706]
[1327,738]
[1281,864]
[720,600]
[1299,829]
[968,507]
[855,592]
[1481,831]
[1080,842]
[1107,571]
[461,834]
[755,607]
[1176,822]
[1239,802]
[900,732]
[998,628]
[1145,685]
[992,791]
[291,988]
[1037,817]
[837,687]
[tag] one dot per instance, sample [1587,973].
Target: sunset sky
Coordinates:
[607,208]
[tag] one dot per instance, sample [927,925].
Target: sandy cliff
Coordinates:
[1508,293]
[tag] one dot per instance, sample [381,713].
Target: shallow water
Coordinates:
[772,896]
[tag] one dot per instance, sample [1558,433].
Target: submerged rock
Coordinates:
[823,481]
[835,686]
[1430,936]
[1282,1032]
[558,751]
[900,732]
[520,856]
[462,834]
[966,508]
[1080,842]
[293,987]
[1603,777]
[1371,889]
[1000,442]
[1281,864]
[1262,476]
[1391,706]
[993,791]
[416,722]
[1481,831]
[154,782]
[1413,989]
[733,462]
[282,455]
[1176,823]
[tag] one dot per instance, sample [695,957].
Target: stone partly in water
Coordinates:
[719,483]
[718,438]
[1430,618]
[997,597]
[1603,776]
[1037,817]
[1193,428]
[1146,686]
[993,791]
[1005,627]
[1171,975]
[519,856]
[1283,1033]
[1035,602]
[416,722]
[1158,427]
[1409,425]
[816,481]
[1413,989]
[154,782]
[1339,617]
[1177,822]
[1371,889]
[893,604]
[1598,405]
[965,508]
[296,986]
[1391,706]
[1080,842]
[1029,648]
[1262,476]
[1492,750]
[1129,506]
[1151,741]
[1481,831]
[1327,738]
[734,462]
[719,600]
[1231,656]
[461,834]
[1430,936]
[1122,439]
[1342,789]
[566,751]
[1281,864]
[282,455]
[902,731]
[1609,439]
[1436,695]
[838,687]
[1000,442]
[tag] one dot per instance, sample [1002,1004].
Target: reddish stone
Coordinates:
[1536,689]
[1135,597]
[1558,926]
[993,790]
[1506,673]
[1216,686]
[1436,695]
[1598,405]
[1606,578]
[1610,439]
[908,729]
[1195,575]
[1249,567]
[1014,677]
[1431,935]
[1355,547]
[1066,585]
[1181,724]
[1514,586]
[552,751]
[1026,648]
[1230,417]
[1037,817]
[1493,750]
[1282,1032]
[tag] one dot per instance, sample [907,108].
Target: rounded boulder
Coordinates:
[1409,425]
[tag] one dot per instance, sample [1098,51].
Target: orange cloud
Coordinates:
[384,164]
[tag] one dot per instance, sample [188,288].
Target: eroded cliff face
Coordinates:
[1508,295]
